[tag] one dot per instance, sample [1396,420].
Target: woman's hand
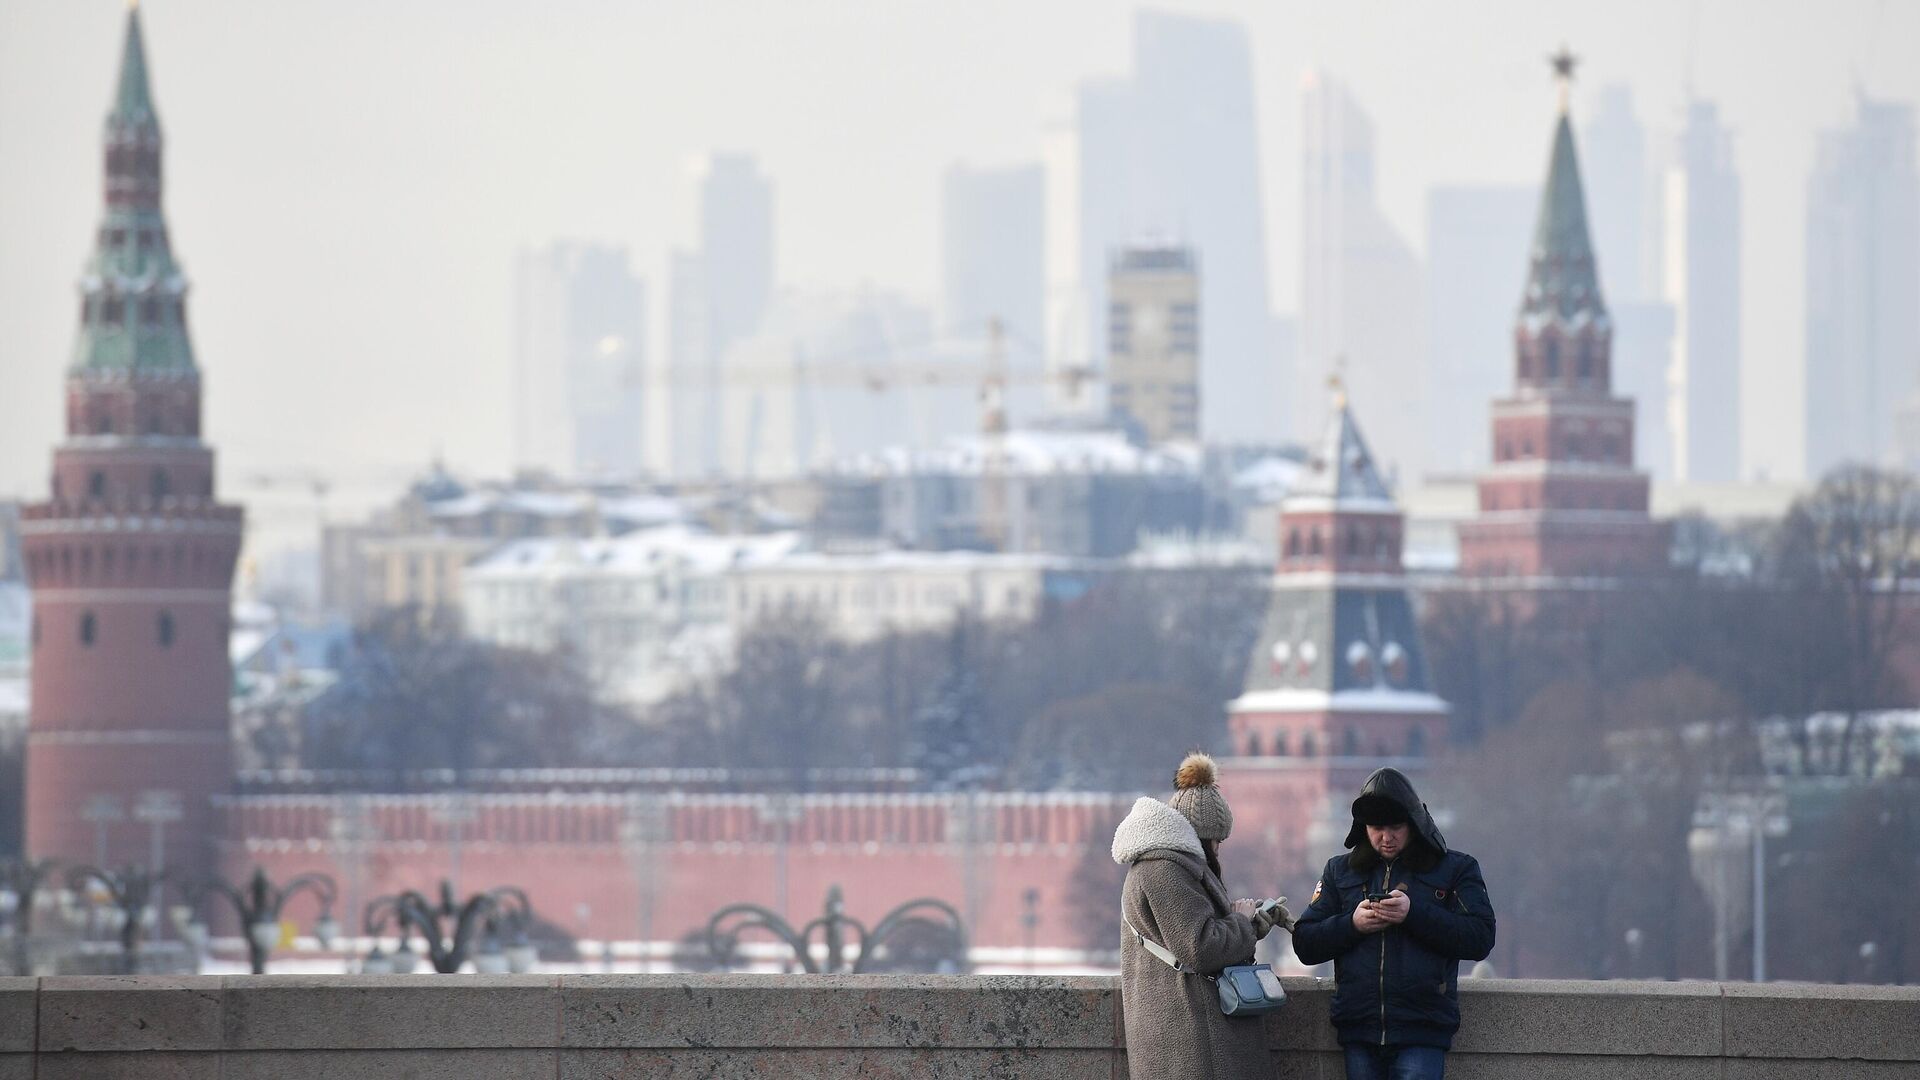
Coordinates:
[1273,913]
[1246,907]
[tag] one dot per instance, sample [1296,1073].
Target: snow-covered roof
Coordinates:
[1341,474]
[1031,453]
[644,509]
[1377,700]
[1270,478]
[537,503]
[913,560]
[684,547]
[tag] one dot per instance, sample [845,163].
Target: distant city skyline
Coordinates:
[1863,327]
[351,182]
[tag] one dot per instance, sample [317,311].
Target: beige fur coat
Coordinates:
[1174,1024]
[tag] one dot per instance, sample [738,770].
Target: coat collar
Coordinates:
[1151,826]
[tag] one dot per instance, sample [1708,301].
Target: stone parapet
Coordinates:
[615,1027]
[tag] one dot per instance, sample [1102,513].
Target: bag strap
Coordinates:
[1160,952]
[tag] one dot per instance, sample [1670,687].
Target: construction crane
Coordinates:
[992,379]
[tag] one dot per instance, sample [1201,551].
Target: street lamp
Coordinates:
[502,916]
[642,834]
[1722,825]
[1029,920]
[130,893]
[259,904]
[942,931]
[102,811]
[158,809]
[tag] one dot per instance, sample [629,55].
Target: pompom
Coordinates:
[1196,771]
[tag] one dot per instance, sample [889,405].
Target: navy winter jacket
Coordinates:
[1398,987]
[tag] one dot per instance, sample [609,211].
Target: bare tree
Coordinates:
[1847,550]
[415,693]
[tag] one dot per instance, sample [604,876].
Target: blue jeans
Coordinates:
[1395,1062]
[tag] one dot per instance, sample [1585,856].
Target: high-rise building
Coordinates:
[1472,235]
[1702,277]
[580,361]
[736,246]
[1360,284]
[1863,293]
[1623,199]
[1169,155]
[1153,343]
[719,295]
[131,558]
[992,256]
[1562,500]
[1619,183]
[693,368]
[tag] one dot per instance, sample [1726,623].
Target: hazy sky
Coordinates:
[347,179]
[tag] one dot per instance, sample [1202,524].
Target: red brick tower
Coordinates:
[1562,501]
[131,558]
[1338,683]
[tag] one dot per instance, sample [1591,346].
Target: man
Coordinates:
[1396,957]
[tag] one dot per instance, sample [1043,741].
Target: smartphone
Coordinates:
[1376,897]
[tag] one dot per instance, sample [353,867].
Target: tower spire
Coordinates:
[1562,280]
[133,304]
[133,98]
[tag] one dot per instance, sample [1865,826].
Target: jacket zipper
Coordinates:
[1386,875]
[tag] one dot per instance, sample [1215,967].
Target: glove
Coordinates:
[1274,914]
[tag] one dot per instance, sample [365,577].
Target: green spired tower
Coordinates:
[131,558]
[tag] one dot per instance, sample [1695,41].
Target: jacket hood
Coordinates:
[1153,825]
[1393,785]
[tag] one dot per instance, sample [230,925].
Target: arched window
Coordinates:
[1307,745]
[166,630]
[89,628]
[1313,541]
[1350,743]
[1417,742]
[97,484]
[160,485]
[1583,366]
[1279,744]
[1553,357]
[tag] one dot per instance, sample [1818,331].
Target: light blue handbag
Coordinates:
[1245,989]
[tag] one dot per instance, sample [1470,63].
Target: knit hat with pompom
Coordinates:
[1197,796]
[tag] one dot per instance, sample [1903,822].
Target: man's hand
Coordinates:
[1367,918]
[1394,909]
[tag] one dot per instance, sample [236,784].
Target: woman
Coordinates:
[1173,898]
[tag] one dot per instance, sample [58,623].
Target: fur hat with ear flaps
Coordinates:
[1197,795]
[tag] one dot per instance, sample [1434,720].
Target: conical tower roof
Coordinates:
[1563,280]
[133,98]
[134,313]
[1342,470]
